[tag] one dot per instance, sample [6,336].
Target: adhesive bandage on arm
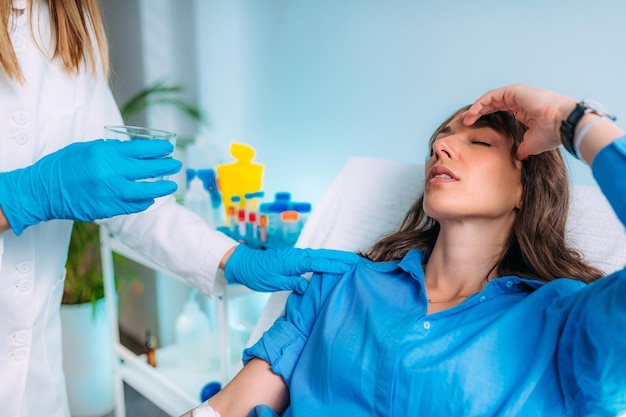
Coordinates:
[203,410]
[579,138]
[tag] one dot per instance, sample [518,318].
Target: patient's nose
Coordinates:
[444,148]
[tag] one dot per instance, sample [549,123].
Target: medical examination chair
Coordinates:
[369,197]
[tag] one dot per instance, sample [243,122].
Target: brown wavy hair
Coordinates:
[537,248]
[72,22]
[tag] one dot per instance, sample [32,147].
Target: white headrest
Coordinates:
[367,199]
[594,229]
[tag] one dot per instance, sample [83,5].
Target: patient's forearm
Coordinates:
[255,384]
[4,223]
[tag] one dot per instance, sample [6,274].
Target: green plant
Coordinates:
[160,93]
[83,282]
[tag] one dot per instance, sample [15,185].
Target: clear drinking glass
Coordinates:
[136,132]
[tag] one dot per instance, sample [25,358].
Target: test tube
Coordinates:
[263,228]
[275,227]
[232,213]
[252,202]
[232,219]
[291,225]
[241,221]
[251,226]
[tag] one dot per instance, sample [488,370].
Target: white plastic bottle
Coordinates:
[197,199]
[196,350]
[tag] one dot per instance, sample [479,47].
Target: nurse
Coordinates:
[54,102]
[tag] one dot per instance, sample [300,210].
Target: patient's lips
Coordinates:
[440,174]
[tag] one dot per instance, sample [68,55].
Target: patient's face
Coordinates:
[472,175]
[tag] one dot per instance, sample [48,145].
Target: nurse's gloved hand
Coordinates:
[281,269]
[87,181]
[262,411]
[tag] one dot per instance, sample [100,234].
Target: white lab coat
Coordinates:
[52,110]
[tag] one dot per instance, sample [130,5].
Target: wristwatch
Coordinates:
[568,126]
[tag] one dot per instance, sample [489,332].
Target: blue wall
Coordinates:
[311,83]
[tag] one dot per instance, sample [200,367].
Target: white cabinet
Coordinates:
[167,386]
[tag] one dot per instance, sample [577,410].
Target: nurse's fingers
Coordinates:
[143,148]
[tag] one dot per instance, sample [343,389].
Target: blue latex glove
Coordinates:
[87,181]
[262,411]
[281,269]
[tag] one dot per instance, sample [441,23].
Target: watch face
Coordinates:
[597,108]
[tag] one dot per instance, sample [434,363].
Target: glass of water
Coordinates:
[136,132]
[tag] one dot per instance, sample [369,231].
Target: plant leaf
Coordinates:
[160,92]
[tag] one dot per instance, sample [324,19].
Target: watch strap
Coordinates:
[568,127]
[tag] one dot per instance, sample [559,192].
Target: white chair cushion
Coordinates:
[594,229]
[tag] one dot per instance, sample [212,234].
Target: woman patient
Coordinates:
[476,306]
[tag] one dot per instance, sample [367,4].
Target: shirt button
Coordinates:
[21,138]
[427,325]
[20,117]
[18,40]
[23,267]
[24,285]
[483,299]
[509,284]
[19,354]
[21,337]
[21,20]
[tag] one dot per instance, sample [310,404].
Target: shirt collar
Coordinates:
[413,262]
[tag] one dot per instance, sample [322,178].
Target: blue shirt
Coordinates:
[362,344]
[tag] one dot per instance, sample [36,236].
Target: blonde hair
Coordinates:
[71,22]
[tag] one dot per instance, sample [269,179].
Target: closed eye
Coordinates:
[478,142]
